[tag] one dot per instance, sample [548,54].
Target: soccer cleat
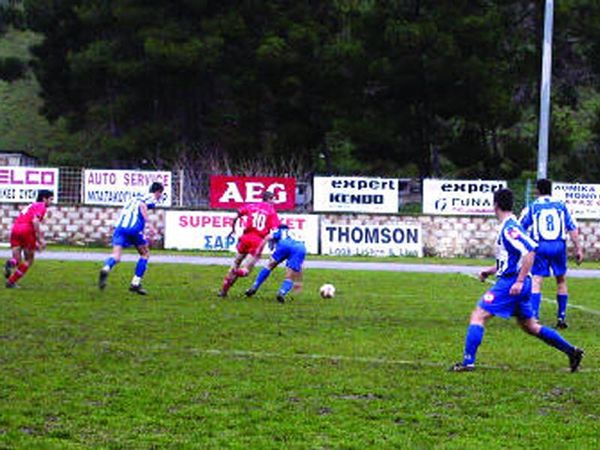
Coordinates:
[102,279]
[460,367]
[250,292]
[561,324]
[7,269]
[575,359]
[138,289]
[222,294]
[10,285]
[280,298]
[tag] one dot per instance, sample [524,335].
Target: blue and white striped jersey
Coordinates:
[511,245]
[131,217]
[548,219]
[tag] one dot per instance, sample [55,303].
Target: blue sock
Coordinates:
[140,267]
[536,298]
[110,262]
[561,300]
[286,286]
[551,337]
[261,277]
[472,342]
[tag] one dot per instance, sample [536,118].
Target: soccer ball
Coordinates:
[327,291]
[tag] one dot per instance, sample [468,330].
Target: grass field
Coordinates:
[183,369]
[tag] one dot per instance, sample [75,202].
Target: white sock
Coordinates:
[135,281]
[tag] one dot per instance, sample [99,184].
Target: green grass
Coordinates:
[182,369]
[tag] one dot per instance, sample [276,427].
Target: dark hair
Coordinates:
[503,198]
[43,194]
[156,187]
[544,186]
[268,195]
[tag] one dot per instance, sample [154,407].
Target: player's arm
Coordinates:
[39,238]
[239,215]
[578,249]
[526,265]
[146,216]
[491,270]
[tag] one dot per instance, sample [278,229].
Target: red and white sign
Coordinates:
[116,187]
[20,184]
[231,192]
[209,230]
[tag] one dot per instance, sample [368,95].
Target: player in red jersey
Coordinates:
[261,218]
[26,237]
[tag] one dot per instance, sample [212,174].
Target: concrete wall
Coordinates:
[443,236]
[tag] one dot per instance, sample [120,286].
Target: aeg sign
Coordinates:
[230,192]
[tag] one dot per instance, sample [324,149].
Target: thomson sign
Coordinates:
[371,240]
[355,194]
[460,197]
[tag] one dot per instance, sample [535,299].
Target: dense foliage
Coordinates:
[414,87]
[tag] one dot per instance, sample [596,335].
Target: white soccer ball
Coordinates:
[327,291]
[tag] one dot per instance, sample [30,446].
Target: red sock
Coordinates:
[17,274]
[242,272]
[228,281]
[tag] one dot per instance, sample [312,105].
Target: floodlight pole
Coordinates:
[542,170]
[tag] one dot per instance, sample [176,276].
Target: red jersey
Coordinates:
[36,209]
[261,218]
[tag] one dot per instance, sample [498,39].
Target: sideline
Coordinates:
[235,353]
[333,265]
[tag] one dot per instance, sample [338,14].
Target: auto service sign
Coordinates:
[117,187]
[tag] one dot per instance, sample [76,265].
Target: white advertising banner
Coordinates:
[19,184]
[116,187]
[355,194]
[460,197]
[583,200]
[208,230]
[371,240]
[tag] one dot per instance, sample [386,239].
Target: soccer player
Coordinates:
[510,295]
[129,230]
[550,221]
[286,248]
[26,237]
[261,218]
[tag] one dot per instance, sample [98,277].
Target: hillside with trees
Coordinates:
[400,88]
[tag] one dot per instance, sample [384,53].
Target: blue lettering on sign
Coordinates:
[218,242]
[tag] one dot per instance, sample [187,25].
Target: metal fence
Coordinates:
[191,189]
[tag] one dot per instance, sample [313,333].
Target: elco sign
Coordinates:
[230,192]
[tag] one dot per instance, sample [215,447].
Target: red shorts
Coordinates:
[23,236]
[250,244]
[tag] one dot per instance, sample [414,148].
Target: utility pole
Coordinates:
[543,132]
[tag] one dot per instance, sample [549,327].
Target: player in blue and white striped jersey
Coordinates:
[129,231]
[549,222]
[510,295]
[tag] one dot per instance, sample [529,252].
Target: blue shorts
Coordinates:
[294,252]
[550,255]
[499,302]
[124,237]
